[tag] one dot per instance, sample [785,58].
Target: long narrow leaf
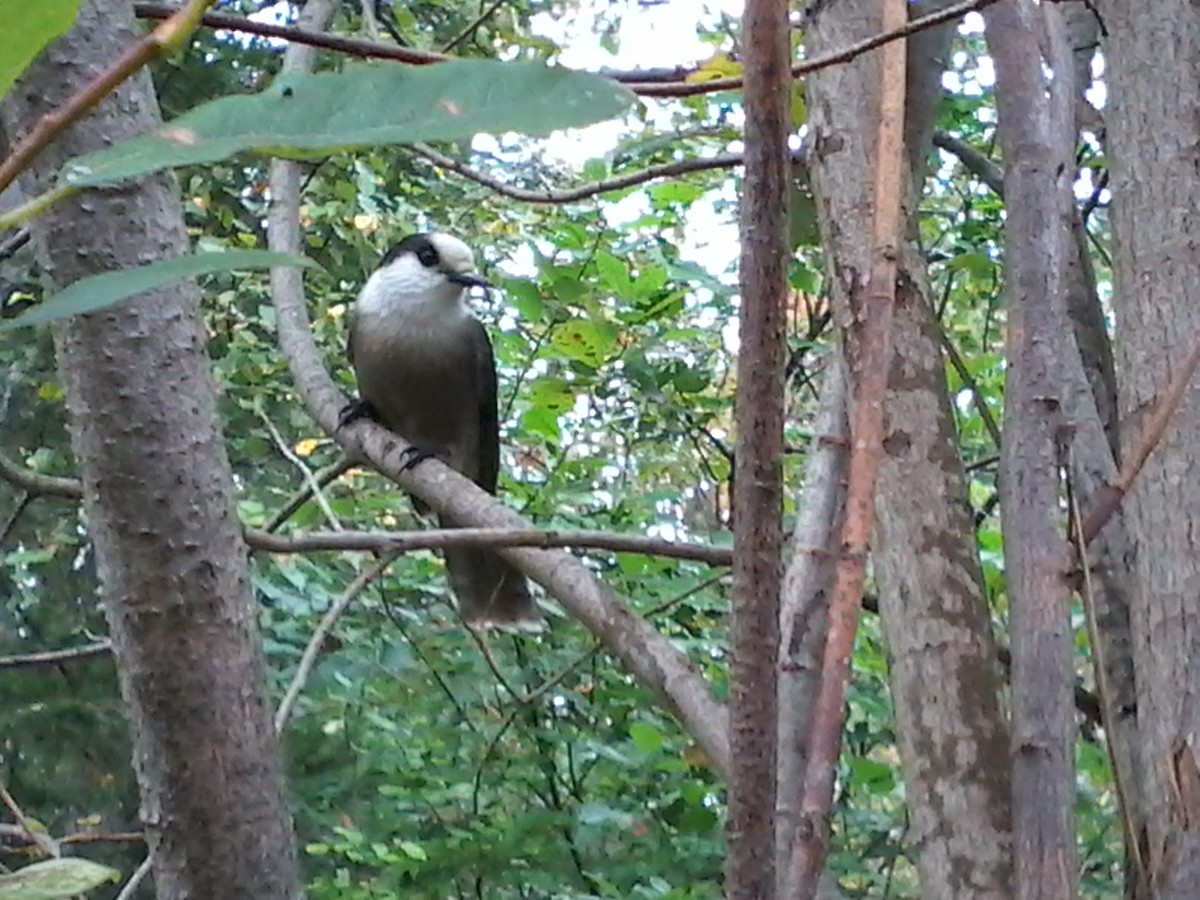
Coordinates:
[101,291]
[311,115]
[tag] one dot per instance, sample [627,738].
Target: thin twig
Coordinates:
[407,541]
[1109,497]
[440,538]
[135,880]
[317,642]
[584,191]
[314,486]
[323,478]
[38,836]
[487,13]
[57,657]
[837,57]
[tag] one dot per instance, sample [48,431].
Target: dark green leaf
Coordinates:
[101,291]
[313,115]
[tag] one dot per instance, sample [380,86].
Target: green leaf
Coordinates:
[312,115]
[101,291]
[28,27]
[54,879]
[645,737]
[585,342]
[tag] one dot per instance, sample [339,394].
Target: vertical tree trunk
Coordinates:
[158,499]
[1153,55]
[758,499]
[945,686]
[1038,215]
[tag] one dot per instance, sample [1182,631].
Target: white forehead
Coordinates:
[455,255]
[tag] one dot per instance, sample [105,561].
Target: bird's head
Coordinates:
[434,266]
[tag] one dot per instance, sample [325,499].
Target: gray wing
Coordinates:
[489,421]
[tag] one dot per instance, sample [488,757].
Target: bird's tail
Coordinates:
[489,590]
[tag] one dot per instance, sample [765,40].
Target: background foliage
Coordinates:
[423,764]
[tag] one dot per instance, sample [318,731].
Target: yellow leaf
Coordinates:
[50,392]
[717,67]
[306,447]
[366,223]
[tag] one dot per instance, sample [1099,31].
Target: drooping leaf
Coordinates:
[101,291]
[55,879]
[28,27]
[310,115]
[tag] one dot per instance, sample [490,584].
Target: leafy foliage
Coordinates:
[422,763]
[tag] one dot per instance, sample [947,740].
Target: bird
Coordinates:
[425,369]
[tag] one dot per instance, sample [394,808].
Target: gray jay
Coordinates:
[425,370]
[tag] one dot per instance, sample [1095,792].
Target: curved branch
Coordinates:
[584,191]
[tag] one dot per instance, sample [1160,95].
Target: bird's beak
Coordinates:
[468,279]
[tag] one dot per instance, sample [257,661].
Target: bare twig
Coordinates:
[837,57]
[36,483]
[136,879]
[314,486]
[488,12]
[584,191]
[316,643]
[44,842]
[323,479]
[57,657]
[975,161]
[407,541]
[439,538]
[1109,498]
[163,40]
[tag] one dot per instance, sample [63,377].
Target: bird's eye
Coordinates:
[428,257]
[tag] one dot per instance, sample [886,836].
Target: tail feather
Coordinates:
[488,589]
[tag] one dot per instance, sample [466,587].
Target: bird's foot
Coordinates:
[413,456]
[355,410]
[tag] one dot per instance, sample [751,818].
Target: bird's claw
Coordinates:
[412,456]
[355,410]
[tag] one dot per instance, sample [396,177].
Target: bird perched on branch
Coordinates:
[425,370]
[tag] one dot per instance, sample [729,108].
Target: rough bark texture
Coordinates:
[1038,219]
[804,603]
[944,680]
[758,476]
[158,498]
[1153,55]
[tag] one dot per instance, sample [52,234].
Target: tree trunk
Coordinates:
[1153,55]
[158,500]
[945,685]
